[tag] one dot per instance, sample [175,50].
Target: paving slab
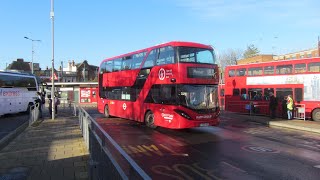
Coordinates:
[54,149]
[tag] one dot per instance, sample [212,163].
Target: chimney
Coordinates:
[72,62]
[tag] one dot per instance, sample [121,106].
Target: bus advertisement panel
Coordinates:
[173,85]
[18,92]
[252,83]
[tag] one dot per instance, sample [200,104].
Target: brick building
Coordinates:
[295,55]
[299,55]
[256,59]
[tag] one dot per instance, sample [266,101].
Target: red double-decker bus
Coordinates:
[173,85]
[247,86]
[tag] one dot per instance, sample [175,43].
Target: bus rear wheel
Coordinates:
[149,120]
[106,111]
[316,115]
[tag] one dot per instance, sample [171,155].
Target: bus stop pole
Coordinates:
[52,73]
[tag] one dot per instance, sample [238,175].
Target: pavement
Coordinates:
[50,149]
[297,124]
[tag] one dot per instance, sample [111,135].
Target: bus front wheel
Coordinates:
[149,120]
[316,115]
[106,111]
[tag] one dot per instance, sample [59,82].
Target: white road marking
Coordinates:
[317,166]
[236,168]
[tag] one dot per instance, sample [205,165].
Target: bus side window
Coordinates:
[236,92]
[282,92]
[154,94]
[284,69]
[166,55]
[244,94]
[126,63]
[149,62]
[267,92]
[300,68]
[108,66]
[231,73]
[116,65]
[268,70]
[103,67]
[255,71]
[298,95]
[137,60]
[143,74]
[314,67]
[241,72]
[255,93]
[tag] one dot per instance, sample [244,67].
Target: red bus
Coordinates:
[173,85]
[247,86]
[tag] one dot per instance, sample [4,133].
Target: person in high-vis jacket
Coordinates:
[289,106]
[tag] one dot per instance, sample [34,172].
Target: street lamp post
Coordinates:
[32,52]
[52,88]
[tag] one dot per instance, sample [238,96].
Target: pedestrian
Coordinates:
[56,103]
[50,105]
[289,106]
[272,105]
[284,108]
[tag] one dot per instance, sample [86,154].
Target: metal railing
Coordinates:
[74,109]
[299,111]
[107,159]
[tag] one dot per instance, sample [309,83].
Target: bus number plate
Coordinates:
[204,124]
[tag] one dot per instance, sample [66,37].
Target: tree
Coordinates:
[229,57]
[251,51]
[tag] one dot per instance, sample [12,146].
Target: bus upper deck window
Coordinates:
[284,69]
[149,62]
[314,67]
[231,73]
[300,68]
[241,72]
[268,70]
[257,71]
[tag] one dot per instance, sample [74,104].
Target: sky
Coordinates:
[98,29]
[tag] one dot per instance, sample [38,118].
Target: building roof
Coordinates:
[20,65]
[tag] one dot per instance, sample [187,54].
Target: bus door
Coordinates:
[93,95]
[125,105]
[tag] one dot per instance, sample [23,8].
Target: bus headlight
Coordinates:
[183,114]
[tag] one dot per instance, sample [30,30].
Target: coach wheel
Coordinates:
[106,111]
[149,120]
[316,115]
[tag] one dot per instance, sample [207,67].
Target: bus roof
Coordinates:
[15,73]
[171,43]
[275,62]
